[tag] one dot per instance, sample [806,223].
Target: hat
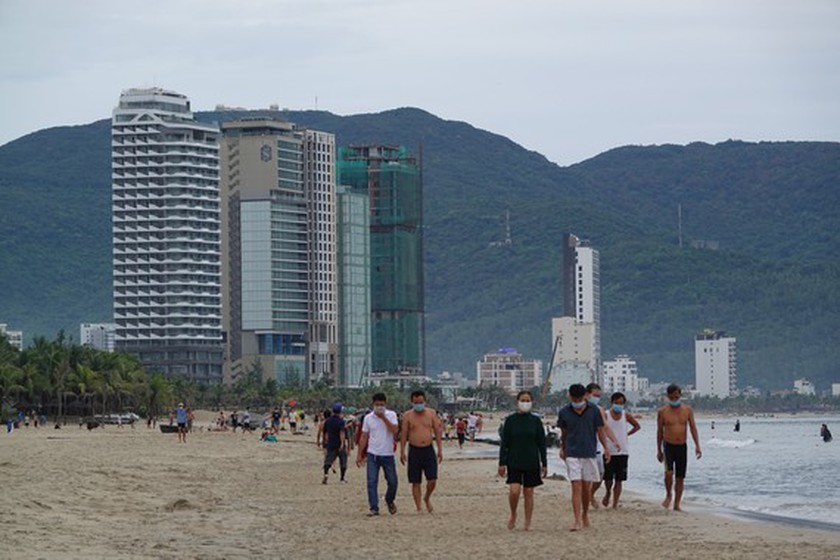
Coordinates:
[336,407]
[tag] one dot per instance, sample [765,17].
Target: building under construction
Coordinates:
[393,182]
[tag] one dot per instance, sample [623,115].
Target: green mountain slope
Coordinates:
[773,208]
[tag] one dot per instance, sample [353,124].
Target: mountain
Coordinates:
[769,209]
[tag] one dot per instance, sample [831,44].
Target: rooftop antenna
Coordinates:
[316,102]
[679,223]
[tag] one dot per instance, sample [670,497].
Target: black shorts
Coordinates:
[676,459]
[332,454]
[461,438]
[528,479]
[182,425]
[422,461]
[616,469]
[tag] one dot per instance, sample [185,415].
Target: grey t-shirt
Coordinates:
[581,430]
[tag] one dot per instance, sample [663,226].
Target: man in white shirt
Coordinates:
[378,442]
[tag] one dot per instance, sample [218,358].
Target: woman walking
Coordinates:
[522,456]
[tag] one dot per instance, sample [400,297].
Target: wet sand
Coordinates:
[137,493]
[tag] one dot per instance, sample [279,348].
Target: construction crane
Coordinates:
[547,381]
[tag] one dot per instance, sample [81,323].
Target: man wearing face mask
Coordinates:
[420,426]
[522,456]
[593,396]
[581,424]
[672,423]
[377,444]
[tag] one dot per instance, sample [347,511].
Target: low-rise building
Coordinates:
[98,335]
[835,389]
[508,369]
[15,338]
[622,375]
[804,387]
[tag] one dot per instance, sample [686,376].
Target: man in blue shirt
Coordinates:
[581,425]
[181,418]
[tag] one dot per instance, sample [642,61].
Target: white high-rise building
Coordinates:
[15,338]
[715,364]
[98,335]
[576,336]
[165,179]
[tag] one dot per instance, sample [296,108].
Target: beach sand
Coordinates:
[137,493]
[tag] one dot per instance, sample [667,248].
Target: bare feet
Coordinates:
[585,520]
[429,507]
[666,503]
[526,528]
[576,527]
[593,503]
[606,501]
[677,507]
[512,523]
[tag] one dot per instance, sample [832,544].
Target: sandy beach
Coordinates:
[137,493]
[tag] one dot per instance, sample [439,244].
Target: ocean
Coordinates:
[773,466]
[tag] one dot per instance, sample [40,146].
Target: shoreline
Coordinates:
[695,506]
[128,493]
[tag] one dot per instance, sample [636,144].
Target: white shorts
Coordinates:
[583,469]
[599,458]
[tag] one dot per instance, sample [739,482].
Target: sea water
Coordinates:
[775,466]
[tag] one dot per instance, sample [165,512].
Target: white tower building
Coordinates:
[165,179]
[715,364]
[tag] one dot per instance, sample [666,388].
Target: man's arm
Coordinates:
[404,436]
[562,443]
[602,435]
[542,447]
[608,431]
[694,435]
[504,450]
[360,455]
[393,428]
[438,437]
[660,426]
[633,422]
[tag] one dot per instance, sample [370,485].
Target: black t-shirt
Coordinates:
[275,416]
[333,426]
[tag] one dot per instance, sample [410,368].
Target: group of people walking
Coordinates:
[594,445]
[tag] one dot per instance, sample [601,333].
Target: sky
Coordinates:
[567,79]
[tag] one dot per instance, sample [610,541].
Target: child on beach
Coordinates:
[616,469]
[581,424]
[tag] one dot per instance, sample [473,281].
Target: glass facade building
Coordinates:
[279,247]
[353,287]
[392,181]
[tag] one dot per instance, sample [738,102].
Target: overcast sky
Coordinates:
[568,79]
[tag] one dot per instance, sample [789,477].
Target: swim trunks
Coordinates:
[422,461]
[676,459]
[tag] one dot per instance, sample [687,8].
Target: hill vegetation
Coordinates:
[771,208]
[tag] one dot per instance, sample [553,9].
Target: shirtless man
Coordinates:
[420,426]
[672,422]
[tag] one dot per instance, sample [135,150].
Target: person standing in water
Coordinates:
[522,457]
[672,424]
[825,433]
[421,426]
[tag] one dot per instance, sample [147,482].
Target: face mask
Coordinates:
[578,405]
[525,406]
[618,408]
[593,400]
[675,403]
[419,407]
[379,408]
